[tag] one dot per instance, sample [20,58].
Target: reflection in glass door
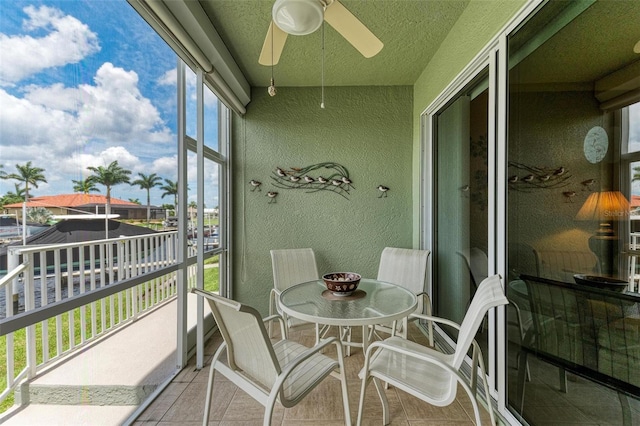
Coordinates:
[572,152]
[461,197]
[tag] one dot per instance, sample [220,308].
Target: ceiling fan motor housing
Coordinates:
[298,17]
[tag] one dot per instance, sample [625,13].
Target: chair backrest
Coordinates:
[561,265]
[488,295]
[591,329]
[404,267]
[293,266]
[633,259]
[248,346]
[478,264]
[553,307]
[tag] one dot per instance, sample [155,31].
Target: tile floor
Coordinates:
[182,402]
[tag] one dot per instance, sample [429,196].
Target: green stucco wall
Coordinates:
[478,24]
[548,128]
[366,129]
[373,132]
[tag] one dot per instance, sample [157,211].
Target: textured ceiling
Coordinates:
[410,30]
[598,42]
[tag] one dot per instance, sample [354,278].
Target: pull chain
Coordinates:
[322,85]
[272,88]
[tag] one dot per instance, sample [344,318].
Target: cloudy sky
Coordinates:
[634,130]
[87,82]
[84,83]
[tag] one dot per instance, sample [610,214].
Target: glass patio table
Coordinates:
[374,302]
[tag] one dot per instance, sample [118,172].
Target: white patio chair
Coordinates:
[406,268]
[284,371]
[478,264]
[290,267]
[562,265]
[428,374]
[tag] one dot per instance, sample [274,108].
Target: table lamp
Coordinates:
[605,207]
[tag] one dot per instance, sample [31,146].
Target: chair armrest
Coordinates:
[425,306]
[277,317]
[470,388]
[436,319]
[426,301]
[272,318]
[520,323]
[450,323]
[410,353]
[273,301]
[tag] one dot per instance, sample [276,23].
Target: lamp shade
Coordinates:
[604,206]
[298,17]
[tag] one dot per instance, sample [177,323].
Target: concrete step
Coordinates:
[108,379]
[69,415]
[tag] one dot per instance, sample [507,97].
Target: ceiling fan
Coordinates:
[302,17]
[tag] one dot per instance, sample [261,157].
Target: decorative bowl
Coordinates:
[342,283]
[606,283]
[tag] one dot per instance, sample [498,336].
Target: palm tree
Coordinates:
[28,175]
[13,197]
[192,207]
[171,188]
[109,176]
[39,215]
[84,185]
[135,200]
[147,182]
[636,174]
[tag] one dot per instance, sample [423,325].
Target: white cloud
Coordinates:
[24,124]
[210,99]
[169,78]
[166,167]
[120,154]
[69,41]
[62,119]
[55,97]
[65,129]
[75,166]
[115,109]
[634,124]
[79,161]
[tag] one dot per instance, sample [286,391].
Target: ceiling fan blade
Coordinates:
[279,37]
[352,29]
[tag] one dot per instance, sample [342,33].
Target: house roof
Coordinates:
[79,230]
[74,231]
[72,200]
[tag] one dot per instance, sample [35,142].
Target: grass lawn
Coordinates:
[212,279]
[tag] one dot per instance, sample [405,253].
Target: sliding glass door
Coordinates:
[461,200]
[572,351]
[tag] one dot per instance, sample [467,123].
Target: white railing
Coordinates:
[40,277]
[634,254]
